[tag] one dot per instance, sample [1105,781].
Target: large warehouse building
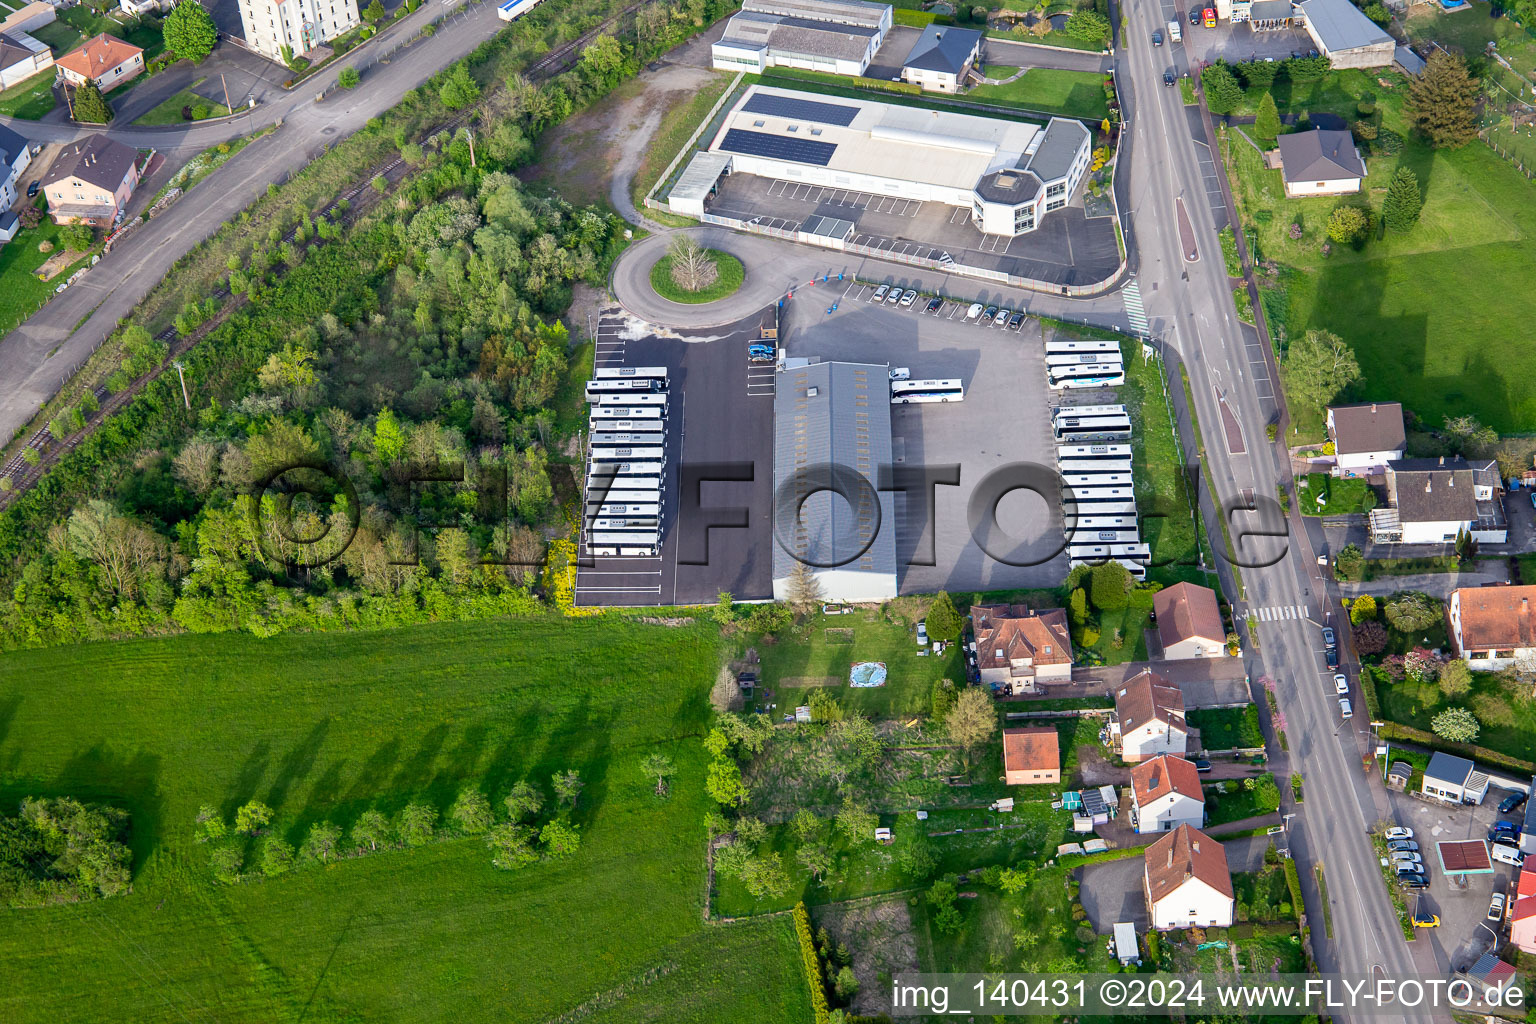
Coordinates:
[839,37]
[832,433]
[1008,174]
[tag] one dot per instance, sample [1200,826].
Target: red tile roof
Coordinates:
[98,55]
[1526,885]
[1167,773]
[1020,633]
[1148,696]
[1033,749]
[1183,854]
[1524,907]
[1185,611]
[1497,617]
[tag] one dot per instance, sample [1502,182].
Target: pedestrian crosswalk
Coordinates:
[1134,310]
[1279,612]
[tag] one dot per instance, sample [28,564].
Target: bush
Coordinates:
[348,78]
[1457,725]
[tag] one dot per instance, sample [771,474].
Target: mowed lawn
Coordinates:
[1049,90]
[1430,313]
[327,726]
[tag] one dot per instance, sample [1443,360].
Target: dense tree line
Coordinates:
[62,851]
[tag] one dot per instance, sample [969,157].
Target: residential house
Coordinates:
[1522,912]
[28,16]
[15,158]
[1321,162]
[21,57]
[1434,501]
[295,26]
[1528,825]
[1148,718]
[1021,648]
[1454,780]
[1187,882]
[1189,622]
[106,60]
[942,58]
[1493,627]
[91,182]
[1366,437]
[1031,756]
[1166,793]
[1344,35]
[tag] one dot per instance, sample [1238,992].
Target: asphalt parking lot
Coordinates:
[1236,43]
[1067,248]
[1464,933]
[720,412]
[1004,419]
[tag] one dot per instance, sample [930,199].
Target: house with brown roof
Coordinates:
[1022,648]
[1148,718]
[1031,756]
[106,60]
[91,181]
[1433,501]
[1187,882]
[1189,622]
[1367,436]
[1493,627]
[1166,793]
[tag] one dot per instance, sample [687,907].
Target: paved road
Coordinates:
[1189,306]
[38,357]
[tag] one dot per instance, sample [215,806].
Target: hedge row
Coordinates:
[812,964]
[1398,731]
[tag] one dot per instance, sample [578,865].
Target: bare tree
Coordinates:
[693,269]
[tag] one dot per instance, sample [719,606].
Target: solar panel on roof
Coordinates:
[801,151]
[806,110]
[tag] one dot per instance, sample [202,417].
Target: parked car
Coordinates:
[1503,825]
[1403,846]
[1398,832]
[1015,320]
[1424,919]
[894,296]
[1412,880]
[1512,801]
[934,305]
[1345,710]
[1408,860]
[1194,16]
[1331,657]
[974,311]
[901,373]
[1168,77]
[880,293]
[922,633]
[1329,640]
[1001,319]
[1340,683]
[760,353]
[988,314]
[1157,39]
[1202,765]
[34,188]
[909,297]
[1496,907]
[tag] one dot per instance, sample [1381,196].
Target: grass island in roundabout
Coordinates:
[690,273]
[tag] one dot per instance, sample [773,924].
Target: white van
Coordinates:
[1506,854]
[1173,32]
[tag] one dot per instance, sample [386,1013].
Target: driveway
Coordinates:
[1113,890]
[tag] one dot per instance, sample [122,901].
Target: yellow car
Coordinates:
[1426,920]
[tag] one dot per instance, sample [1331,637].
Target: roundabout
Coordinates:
[727,278]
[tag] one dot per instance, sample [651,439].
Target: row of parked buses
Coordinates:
[1093,453]
[626,461]
[1083,364]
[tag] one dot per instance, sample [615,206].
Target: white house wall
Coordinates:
[844,587]
[1210,908]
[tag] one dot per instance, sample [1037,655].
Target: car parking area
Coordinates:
[720,425]
[1236,43]
[1460,901]
[1068,247]
[1003,420]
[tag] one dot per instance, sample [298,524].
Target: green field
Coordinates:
[326,726]
[1472,30]
[1340,497]
[1077,94]
[1228,728]
[169,111]
[21,293]
[31,99]
[1426,311]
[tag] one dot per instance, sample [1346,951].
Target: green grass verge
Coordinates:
[1228,728]
[31,99]
[1077,94]
[1187,90]
[327,726]
[731,276]
[1235,804]
[170,110]
[1060,40]
[21,293]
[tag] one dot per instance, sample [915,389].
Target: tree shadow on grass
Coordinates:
[131,782]
[410,779]
[297,764]
[251,774]
[460,767]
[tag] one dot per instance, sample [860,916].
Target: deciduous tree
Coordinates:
[189,31]
[856,821]
[560,839]
[658,767]
[511,846]
[692,268]
[416,824]
[972,722]
[371,830]
[321,843]
[1458,725]
[1455,679]
[567,786]
[252,818]
[471,812]
[1318,365]
[723,782]
[1348,224]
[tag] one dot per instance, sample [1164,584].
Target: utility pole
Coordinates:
[228,109]
[471,137]
[183,377]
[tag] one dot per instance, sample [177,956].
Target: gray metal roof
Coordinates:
[942,48]
[700,175]
[755,31]
[11,146]
[1270,10]
[98,160]
[1428,491]
[845,424]
[1448,768]
[1340,25]
[1010,187]
[1409,61]
[1320,155]
[842,12]
[827,227]
[1059,146]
